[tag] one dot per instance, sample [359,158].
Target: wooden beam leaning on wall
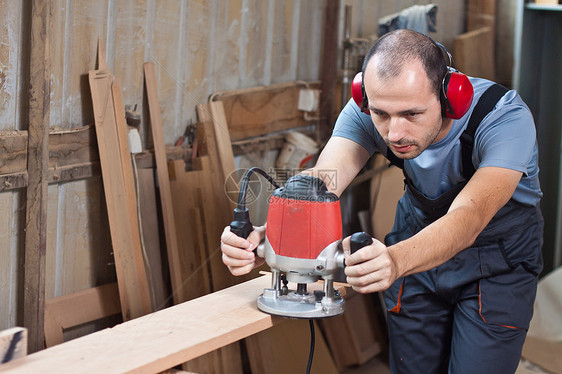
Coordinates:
[163,181]
[220,212]
[132,279]
[163,339]
[37,165]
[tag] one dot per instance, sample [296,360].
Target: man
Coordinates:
[459,283]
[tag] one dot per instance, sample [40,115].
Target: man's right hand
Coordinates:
[237,252]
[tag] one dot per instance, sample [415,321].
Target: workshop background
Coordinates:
[262,69]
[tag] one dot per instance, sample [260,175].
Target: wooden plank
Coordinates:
[9,264]
[474,53]
[222,136]
[163,179]
[185,188]
[129,263]
[217,213]
[78,308]
[13,344]
[163,339]
[151,237]
[224,150]
[129,182]
[262,110]
[38,157]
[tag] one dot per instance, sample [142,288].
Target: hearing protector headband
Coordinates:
[456,91]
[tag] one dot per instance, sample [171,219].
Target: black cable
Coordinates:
[311,354]
[245,181]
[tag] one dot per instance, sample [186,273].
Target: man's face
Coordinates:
[405,110]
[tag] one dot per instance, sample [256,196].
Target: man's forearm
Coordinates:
[438,242]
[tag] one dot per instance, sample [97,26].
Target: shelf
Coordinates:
[546,7]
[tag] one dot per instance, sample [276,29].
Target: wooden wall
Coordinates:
[198,47]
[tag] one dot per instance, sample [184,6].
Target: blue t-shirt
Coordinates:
[505,138]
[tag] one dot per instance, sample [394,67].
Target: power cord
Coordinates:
[312,343]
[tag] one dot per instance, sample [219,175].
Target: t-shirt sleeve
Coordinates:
[357,126]
[507,136]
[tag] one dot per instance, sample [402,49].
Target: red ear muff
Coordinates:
[458,93]
[358,93]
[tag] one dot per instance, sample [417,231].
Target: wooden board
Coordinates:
[150,231]
[262,110]
[9,264]
[78,308]
[37,169]
[217,213]
[129,263]
[163,179]
[13,344]
[474,53]
[163,339]
[185,188]
[223,142]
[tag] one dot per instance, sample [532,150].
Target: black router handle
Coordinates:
[360,240]
[241,225]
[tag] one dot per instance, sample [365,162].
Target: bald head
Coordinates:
[392,51]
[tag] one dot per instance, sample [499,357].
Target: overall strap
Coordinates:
[485,105]
[394,160]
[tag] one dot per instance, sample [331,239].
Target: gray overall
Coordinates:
[470,314]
